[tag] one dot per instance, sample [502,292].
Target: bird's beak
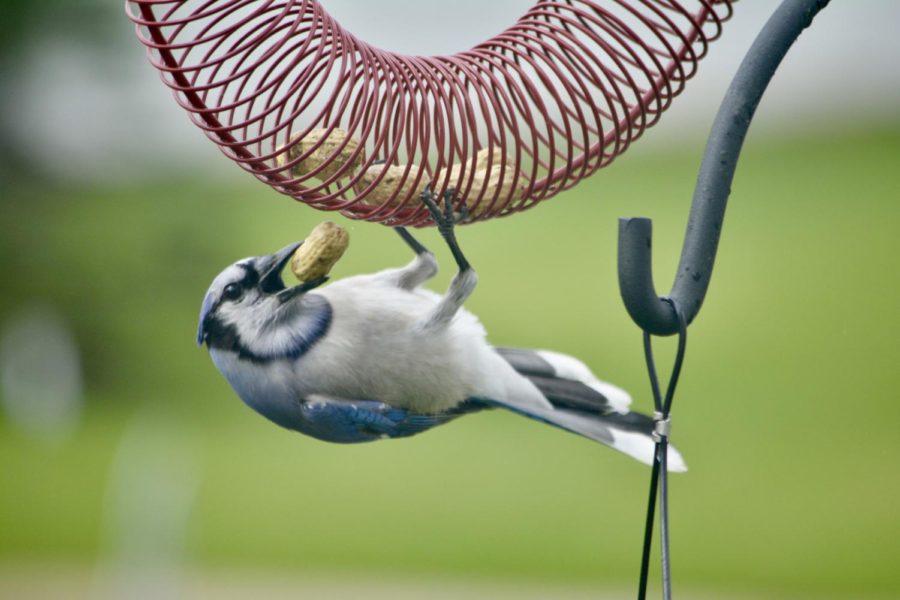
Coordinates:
[270,275]
[270,268]
[298,290]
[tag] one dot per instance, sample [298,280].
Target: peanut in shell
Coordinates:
[319,252]
[334,149]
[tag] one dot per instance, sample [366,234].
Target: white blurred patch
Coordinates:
[152,485]
[40,374]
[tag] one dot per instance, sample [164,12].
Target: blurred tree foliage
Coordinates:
[23,24]
[23,20]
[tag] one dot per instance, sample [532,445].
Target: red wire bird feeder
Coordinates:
[333,122]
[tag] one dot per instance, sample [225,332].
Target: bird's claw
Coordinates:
[445,219]
[462,215]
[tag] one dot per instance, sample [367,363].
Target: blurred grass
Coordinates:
[786,411]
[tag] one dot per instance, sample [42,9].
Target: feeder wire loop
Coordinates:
[336,123]
[659,477]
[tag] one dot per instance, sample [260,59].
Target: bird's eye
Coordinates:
[232,291]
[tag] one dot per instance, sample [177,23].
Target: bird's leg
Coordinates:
[464,282]
[414,244]
[422,268]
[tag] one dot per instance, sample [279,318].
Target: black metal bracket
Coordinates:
[672,314]
[651,313]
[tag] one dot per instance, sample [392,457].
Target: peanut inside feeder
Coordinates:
[331,151]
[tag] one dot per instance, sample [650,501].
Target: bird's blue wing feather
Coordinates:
[351,421]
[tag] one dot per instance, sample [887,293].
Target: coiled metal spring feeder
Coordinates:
[511,122]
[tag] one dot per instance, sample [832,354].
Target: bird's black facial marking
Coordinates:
[219,335]
[250,278]
[210,326]
[311,327]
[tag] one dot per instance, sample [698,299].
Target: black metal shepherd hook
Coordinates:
[672,314]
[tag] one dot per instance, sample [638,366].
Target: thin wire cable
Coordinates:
[659,477]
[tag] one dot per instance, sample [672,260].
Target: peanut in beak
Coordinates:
[320,251]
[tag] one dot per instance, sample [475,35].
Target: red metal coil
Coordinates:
[511,122]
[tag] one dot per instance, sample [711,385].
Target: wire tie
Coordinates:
[662,427]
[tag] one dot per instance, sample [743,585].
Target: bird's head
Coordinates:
[248,308]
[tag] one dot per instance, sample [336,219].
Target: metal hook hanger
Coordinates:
[647,309]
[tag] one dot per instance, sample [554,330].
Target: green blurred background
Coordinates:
[128,468]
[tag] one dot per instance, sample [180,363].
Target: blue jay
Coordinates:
[377,356]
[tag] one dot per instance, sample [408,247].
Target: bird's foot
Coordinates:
[446,219]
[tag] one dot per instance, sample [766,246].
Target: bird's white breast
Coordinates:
[376,349]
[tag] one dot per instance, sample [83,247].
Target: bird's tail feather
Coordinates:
[583,404]
[614,430]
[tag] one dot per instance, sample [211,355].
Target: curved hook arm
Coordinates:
[723,148]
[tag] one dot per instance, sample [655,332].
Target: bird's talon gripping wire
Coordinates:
[461,215]
[445,221]
[449,217]
[427,197]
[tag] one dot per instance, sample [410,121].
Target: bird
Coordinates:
[378,356]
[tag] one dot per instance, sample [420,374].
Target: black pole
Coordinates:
[723,149]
